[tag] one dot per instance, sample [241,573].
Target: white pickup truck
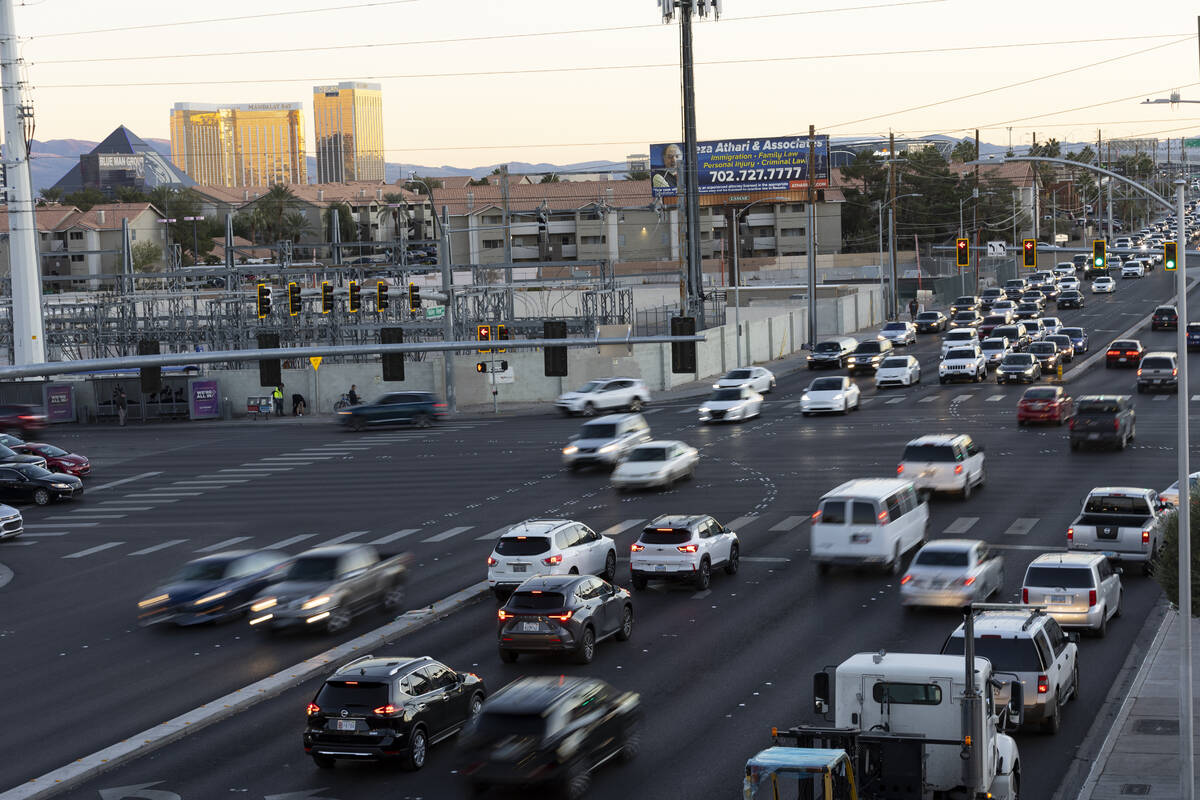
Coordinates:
[1123,523]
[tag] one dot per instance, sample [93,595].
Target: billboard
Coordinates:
[773,164]
[205,400]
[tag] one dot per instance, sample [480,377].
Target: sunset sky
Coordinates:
[610,91]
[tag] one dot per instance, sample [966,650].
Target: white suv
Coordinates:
[683,547]
[963,364]
[549,547]
[1030,644]
[944,462]
[606,393]
[1078,589]
[960,337]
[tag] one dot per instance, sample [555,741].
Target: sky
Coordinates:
[611,86]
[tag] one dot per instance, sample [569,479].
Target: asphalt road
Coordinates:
[715,669]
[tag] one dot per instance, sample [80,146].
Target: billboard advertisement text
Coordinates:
[775,164]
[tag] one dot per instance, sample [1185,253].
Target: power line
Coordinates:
[1085,107]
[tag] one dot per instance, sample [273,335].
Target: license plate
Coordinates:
[346,725]
[1122,359]
[530,627]
[860,538]
[1093,436]
[518,567]
[1110,553]
[1061,599]
[659,567]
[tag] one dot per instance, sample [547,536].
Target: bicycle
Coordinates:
[342,402]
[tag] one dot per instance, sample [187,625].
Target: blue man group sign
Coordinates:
[743,165]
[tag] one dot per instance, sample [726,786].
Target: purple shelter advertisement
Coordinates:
[59,400]
[205,399]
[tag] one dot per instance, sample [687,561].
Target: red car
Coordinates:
[57,459]
[1045,404]
[19,417]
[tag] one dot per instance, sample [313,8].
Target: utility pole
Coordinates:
[25,268]
[508,267]
[890,302]
[811,245]
[448,317]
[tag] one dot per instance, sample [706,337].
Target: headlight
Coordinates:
[264,604]
[154,601]
[852,359]
[837,396]
[345,413]
[703,409]
[570,449]
[60,486]
[316,601]
[716,386]
[608,448]
[210,598]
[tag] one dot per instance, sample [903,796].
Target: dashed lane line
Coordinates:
[47,533]
[40,526]
[932,398]
[1041,548]
[996,398]
[960,398]
[448,534]
[787,524]
[90,515]
[1022,526]
[345,537]
[391,537]
[765,559]
[123,481]
[153,493]
[742,522]
[961,525]
[496,534]
[97,549]
[290,541]
[119,505]
[1159,397]
[895,400]
[212,548]
[154,548]
[620,527]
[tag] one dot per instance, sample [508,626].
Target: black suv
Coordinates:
[563,614]
[549,733]
[868,355]
[389,709]
[1165,318]
[1103,419]
[418,408]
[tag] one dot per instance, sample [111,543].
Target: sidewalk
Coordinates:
[1140,754]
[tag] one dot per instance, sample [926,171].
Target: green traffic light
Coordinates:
[1099,262]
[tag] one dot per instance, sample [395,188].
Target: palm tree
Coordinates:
[278,201]
[294,225]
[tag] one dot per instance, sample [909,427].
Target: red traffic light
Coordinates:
[1028,244]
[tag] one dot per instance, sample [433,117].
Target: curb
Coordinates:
[173,730]
[1091,755]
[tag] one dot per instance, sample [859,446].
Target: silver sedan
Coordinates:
[952,572]
[729,405]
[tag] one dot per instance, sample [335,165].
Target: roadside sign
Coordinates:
[998,249]
[315,361]
[505,376]
[435,312]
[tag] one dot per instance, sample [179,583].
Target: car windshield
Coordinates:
[495,726]
[738,375]
[1193,327]
[313,568]
[868,348]
[894,363]
[826,385]
[941,558]
[1015,284]
[993,344]
[964,315]
[51,450]
[960,353]
[590,386]
[598,430]
[1072,333]
[648,454]
[1063,342]
[352,694]
[959,336]
[1017,360]
[671,536]
[32,471]
[1015,655]
[964,301]
[929,452]
[726,394]
[203,570]
[535,601]
[522,545]
[895,326]
[1165,310]
[1059,577]
[1040,393]
[995,319]
[1043,348]
[924,316]
[828,347]
[1007,331]
[1097,407]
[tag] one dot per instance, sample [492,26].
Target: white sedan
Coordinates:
[1071,283]
[757,378]
[656,463]
[731,404]
[830,394]
[899,333]
[1104,285]
[1133,269]
[898,371]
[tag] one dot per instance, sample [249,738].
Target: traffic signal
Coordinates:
[1170,254]
[355,297]
[393,363]
[1029,252]
[1099,246]
[555,358]
[414,297]
[294,299]
[683,354]
[264,300]
[481,366]
[962,256]
[483,333]
[326,297]
[269,373]
[381,298]
[151,376]
[502,336]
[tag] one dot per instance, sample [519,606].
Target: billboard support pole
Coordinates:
[810,246]
[691,195]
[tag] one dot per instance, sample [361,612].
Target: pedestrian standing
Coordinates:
[352,395]
[913,306]
[278,395]
[121,402]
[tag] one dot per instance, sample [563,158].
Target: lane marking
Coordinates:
[448,534]
[742,521]
[787,524]
[14,543]
[111,484]
[291,462]
[895,400]
[929,399]
[391,537]
[248,470]
[958,398]
[93,515]
[1022,526]
[211,483]
[620,527]
[290,541]
[1043,548]
[154,548]
[345,537]
[289,459]
[765,559]
[156,493]
[47,533]
[686,411]
[961,525]
[121,505]
[1159,397]
[702,594]
[496,534]
[39,526]
[996,398]
[212,548]
[98,548]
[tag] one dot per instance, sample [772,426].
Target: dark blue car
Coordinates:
[212,588]
[1193,335]
[1078,338]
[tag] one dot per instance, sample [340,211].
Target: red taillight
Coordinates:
[906,579]
[899,469]
[561,617]
[384,711]
[552,560]
[968,581]
[882,518]
[1145,536]
[1091,598]
[312,708]
[816,516]
[958,469]
[1024,595]
[1043,684]
[636,548]
[1113,352]
[1174,372]
[1070,534]
[439,405]
[1139,372]
[492,562]
[1116,424]
[687,548]
[504,615]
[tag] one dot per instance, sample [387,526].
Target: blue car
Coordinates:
[1078,338]
[216,587]
[1193,335]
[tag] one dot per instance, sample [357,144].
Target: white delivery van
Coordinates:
[868,522]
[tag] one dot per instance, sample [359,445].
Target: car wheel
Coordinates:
[703,574]
[731,567]
[508,656]
[1054,724]
[586,650]
[1124,442]
[323,762]
[337,621]
[393,598]
[771,387]
[475,706]
[896,563]
[422,420]
[631,741]
[1117,610]
[1132,432]
[805,413]
[626,629]
[638,582]
[359,424]
[942,381]
[573,571]
[1102,628]
[41,497]
[589,410]
[1074,445]
[1020,422]
[845,406]
[635,405]
[966,490]
[577,781]
[610,567]
[415,758]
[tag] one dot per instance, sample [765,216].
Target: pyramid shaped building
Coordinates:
[123,159]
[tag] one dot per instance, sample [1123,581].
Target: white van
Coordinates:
[868,521]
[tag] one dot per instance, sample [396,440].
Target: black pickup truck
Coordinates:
[1103,419]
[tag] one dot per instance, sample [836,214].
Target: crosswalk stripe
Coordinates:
[766,559]
[1022,526]
[796,404]
[165,493]
[895,400]
[742,522]
[47,533]
[212,548]
[650,410]
[345,537]
[38,526]
[958,398]
[391,537]
[1159,397]
[496,534]
[15,543]
[291,462]
[210,483]
[620,527]
[156,547]
[929,399]
[787,524]
[862,400]
[98,548]
[688,410]
[1041,548]
[297,457]
[961,525]
[122,505]
[290,541]
[448,534]
[92,515]
[996,398]
[1195,397]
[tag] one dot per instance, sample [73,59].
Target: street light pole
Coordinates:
[737,271]
[1187,766]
